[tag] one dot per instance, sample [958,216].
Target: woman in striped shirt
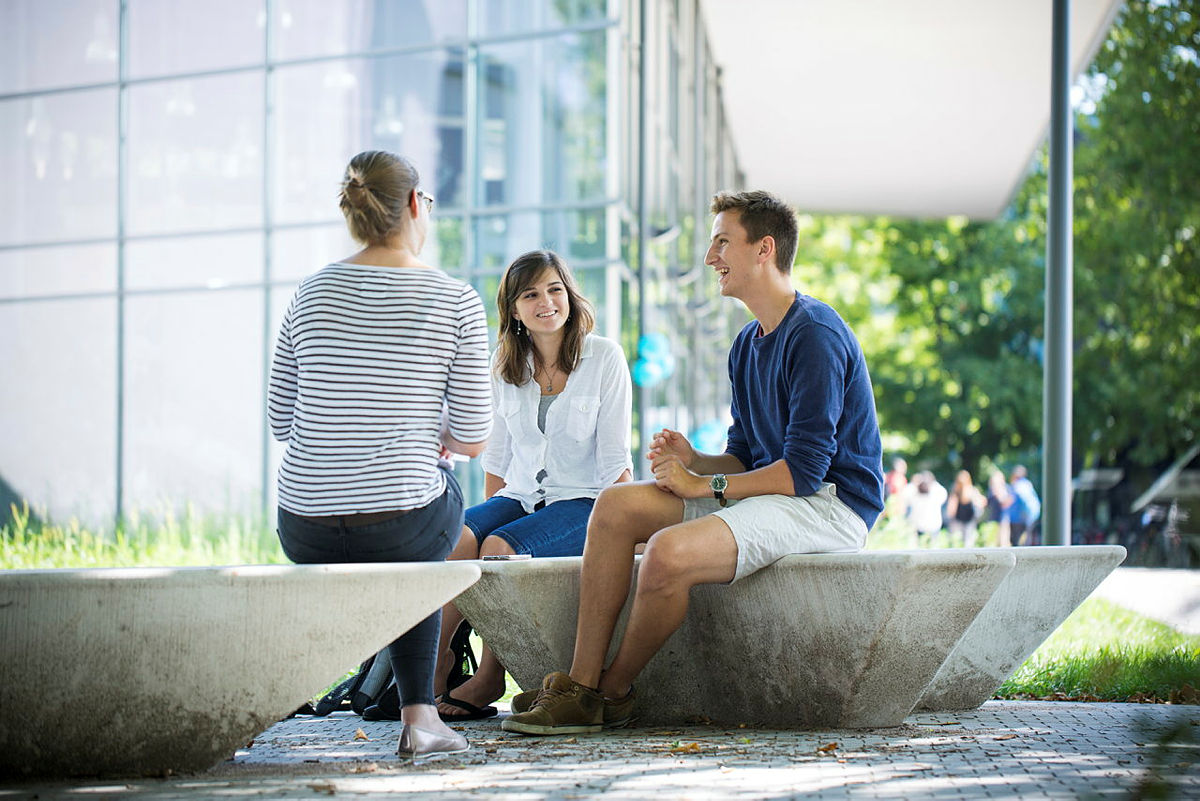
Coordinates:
[563,402]
[380,372]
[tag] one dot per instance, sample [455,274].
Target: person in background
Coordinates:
[897,478]
[964,508]
[563,410]
[895,482]
[999,506]
[1026,508]
[926,497]
[380,373]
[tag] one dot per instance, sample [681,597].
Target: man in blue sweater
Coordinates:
[802,473]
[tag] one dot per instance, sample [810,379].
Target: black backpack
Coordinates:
[371,690]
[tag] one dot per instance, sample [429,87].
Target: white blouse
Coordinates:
[585,447]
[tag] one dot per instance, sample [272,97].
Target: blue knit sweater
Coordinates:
[802,394]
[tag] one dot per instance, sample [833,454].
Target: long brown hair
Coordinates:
[513,363]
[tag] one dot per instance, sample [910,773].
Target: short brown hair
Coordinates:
[375,194]
[763,214]
[514,347]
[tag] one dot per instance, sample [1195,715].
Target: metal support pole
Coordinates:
[1057,369]
[643,220]
[122,194]
[268,221]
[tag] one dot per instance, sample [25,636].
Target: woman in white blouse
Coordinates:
[561,434]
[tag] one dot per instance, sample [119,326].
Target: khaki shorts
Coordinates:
[769,527]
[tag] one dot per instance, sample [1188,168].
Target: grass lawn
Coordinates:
[1104,652]
[167,539]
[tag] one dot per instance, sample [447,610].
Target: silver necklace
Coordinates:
[549,388]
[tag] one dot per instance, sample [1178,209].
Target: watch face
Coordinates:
[719,483]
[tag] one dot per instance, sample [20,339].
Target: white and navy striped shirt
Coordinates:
[368,361]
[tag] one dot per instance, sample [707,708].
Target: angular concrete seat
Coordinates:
[1045,586]
[830,640]
[149,670]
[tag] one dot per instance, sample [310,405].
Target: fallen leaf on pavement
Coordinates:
[827,748]
[689,748]
[359,734]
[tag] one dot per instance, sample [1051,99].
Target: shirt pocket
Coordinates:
[510,412]
[581,417]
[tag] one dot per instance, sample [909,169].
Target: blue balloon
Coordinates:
[709,437]
[651,345]
[666,362]
[646,373]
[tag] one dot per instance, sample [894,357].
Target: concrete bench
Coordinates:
[830,640]
[1046,584]
[153,670]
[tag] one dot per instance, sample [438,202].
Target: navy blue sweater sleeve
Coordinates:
[736,443]
[816,375]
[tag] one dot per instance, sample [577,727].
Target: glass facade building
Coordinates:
[171,171]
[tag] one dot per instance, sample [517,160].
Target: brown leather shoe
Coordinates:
[617,713]
[423,745]
[562,706]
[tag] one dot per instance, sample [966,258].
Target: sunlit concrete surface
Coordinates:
[846,640]
[1002,750]
[152,670]
[1045,586]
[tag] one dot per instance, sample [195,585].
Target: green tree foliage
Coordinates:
[1137,256]
[951,312]
[971,300]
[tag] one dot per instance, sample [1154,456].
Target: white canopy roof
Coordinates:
[913,108]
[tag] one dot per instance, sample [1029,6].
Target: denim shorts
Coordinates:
[558,529]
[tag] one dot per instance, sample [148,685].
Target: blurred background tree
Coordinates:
[950,312]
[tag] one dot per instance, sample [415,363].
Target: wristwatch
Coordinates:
[719,484]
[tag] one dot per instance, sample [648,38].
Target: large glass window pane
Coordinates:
[59,167]
[195,154]
[336,27]
[212,261]
[542,121]
[172,36]
[576,235]
[194,400]
[446,246]
[58,406]
[300,252]
[48,44]
[514,16]
[58,270]
[327,112]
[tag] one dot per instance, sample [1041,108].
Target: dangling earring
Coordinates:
[520,328]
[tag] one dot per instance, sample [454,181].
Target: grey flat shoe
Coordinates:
[423,745]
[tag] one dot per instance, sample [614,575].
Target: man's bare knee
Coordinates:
[634,511]
[666,563]
[614,505]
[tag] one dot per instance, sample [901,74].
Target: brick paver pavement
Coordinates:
[1005,749]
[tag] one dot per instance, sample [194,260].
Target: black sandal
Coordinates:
[473,712]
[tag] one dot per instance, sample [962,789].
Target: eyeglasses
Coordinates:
[428,200]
